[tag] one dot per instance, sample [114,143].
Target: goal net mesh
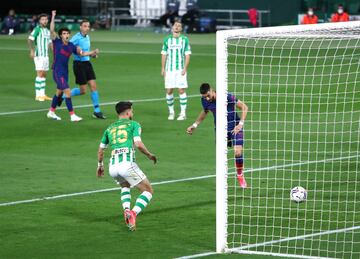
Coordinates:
[302,88]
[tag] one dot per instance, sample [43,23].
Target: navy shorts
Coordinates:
[236,140]
[61,81]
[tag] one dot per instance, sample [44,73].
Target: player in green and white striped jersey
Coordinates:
[174,64]
[121,136]
[41,37]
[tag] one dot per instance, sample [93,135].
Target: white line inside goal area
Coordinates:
[240,250]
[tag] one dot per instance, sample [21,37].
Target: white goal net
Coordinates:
[302,87]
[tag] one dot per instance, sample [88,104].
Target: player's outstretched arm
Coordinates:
[100,169]
[52,25]
[140,145]
[87,53]
[199,119]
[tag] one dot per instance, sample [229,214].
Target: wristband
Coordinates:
[195,125]
[241,123]
[100,163]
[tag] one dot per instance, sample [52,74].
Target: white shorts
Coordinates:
[41,63]
[126,171]
[174,79]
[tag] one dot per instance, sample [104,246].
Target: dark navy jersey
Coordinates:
[232,116]
[62,54]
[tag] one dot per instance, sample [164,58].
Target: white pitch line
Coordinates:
[124,52]
[89,105]
[98,191]
[242,250]
[169,181]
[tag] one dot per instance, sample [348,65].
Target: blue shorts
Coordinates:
[61,81]
[235,140]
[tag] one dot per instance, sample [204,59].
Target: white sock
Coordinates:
[183,103]
[170,102]
[38,82]
[42,86]
[125,197]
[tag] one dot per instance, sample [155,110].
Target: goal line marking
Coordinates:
[169,181]
[241,250]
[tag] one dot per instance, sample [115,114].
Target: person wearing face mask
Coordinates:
[340,15]
[310,17]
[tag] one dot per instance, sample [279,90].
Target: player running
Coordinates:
[121,136]
[62,52]
[235,124]
[41,36]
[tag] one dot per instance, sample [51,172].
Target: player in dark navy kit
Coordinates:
[235,124]
[63,49]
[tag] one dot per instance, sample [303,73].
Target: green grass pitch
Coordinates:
[44,158]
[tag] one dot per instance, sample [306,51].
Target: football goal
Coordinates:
[302,88]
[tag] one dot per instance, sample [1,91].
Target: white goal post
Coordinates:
[302,87]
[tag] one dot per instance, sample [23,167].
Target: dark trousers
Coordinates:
[189,19]
[169,15]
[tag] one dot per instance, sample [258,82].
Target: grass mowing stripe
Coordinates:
[90,105]
[173,181]
[98,191]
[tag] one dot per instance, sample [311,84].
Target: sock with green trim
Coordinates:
[183,103]
[170,102]
[38,82]
[125,197]
[142,201]
[42,85]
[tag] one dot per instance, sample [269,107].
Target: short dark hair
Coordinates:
[123,106]
[42,15]
[62,30]
[84,21]
[204,88]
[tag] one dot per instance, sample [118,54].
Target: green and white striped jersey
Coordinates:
[120,136]
[41,37]
[176,49]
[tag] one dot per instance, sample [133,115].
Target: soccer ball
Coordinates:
[298,194]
